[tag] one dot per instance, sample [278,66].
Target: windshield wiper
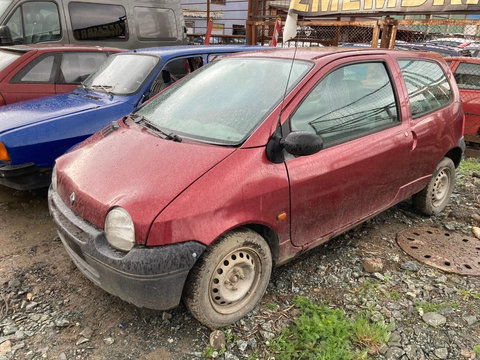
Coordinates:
[84,87]
[103,87]
[139,119]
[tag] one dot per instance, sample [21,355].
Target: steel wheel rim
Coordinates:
[235,280]
[441,187]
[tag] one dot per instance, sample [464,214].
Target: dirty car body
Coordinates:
[34,133]
[227,177]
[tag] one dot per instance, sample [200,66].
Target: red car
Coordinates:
[467,75]
[205,187]
[28,72]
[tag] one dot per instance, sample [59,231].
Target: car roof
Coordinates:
[57,47]
[314,53]
[168,51]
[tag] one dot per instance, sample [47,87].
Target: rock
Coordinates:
[476,217]
[62,322]
[434,319]
[166,316]
[31,306]
[109,341]
[449,227]
[217,340]
[62,356]
[372,265]
[414,352]
[82,341]
[394,353]
[5,347]
[267,335]
[229,356]
[467,354]
[242,345]
[470,319]
[14,283]
[476,231]
[87,333]
[19,335]
[441,353]
[9,329]
[410,266]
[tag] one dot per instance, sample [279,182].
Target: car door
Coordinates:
[33,80]
[75,67]
[364,163]
[467,75]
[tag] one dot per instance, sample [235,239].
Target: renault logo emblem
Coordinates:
[72,198]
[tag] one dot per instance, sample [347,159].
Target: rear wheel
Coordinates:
[229,279]
[436,195]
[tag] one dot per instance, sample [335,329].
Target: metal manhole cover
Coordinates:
[446,250]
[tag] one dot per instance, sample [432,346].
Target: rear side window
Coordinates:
[76,67]
[8,57]
[427,86]
[35,21]
[39,71]
[92,21]
[155,24]
[468,76]
[350,102]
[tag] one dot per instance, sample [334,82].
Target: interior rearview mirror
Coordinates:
[5,36]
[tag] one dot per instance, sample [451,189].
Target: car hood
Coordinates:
[132,168]
[33,111]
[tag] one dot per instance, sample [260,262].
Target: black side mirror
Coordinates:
[302,143]
[5,36]
[166,77]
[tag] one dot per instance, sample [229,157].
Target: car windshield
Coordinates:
[224,102]
[8,57]
[3,6]
[122,74]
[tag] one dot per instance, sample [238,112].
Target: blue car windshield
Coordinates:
[122,74]
[224,102]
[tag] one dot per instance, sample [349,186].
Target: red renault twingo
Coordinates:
[248,162]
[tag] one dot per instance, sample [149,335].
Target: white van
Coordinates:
[122,23]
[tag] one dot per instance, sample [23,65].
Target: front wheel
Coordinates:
[436,195]
[229,279]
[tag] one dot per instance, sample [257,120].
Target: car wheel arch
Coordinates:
[455,155]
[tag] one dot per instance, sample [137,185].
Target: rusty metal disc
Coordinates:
[452,252]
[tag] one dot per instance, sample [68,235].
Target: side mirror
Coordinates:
[5,36]
[302,143]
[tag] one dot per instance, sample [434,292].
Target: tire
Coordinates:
[436,195]
[230,278]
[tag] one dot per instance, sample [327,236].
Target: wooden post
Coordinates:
[375,35]
[388,25]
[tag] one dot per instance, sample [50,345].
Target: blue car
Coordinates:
[34,133]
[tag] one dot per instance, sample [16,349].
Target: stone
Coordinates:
[5,347]
[434,319]
[217,340]
[9,329]
[62,322]
[230,356]
[394,353]
[267,335]
[414,352]
[109,340]
[467,354]
[476,231]
[62,356]
[410,266]
[31,306]
[441,353]
[166,316]
[372,265]
[242,345]
[81,341]
[476,217]
[470,319]
[86,333]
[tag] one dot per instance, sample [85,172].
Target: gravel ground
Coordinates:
[48,310]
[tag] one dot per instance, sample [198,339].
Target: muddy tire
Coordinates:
[229,279]
[436,195]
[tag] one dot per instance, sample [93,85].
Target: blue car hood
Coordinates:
[33,111]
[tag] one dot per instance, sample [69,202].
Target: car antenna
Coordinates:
[274,152]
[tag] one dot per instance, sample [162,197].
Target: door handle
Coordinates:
[414,140]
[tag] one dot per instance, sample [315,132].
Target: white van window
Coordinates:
[35,21]
[155,24]
[92,21]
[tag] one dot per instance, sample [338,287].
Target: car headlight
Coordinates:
[119,229]
[54,178]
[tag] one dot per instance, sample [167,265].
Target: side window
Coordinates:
[155,24]
[175,70]
[75,67]
[39,71]
[350,102]
[468,76]
[427,86]
[92,21]
[35,22]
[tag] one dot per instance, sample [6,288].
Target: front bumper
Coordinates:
[25,176]
[150,277]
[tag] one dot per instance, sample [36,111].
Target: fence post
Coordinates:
[375,35]
[387,33]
